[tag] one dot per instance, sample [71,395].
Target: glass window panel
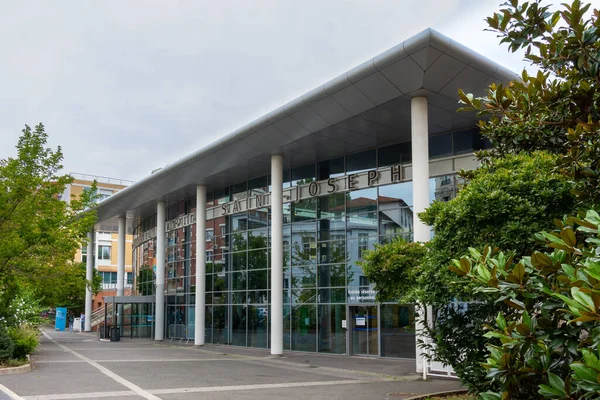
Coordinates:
[220,331]
[257,279]
[220,283]
[287,213]
[332,252]
[258,239]
[361,161]
[220,298]
[332,295]
[208,323]
[332,206]
[398,331]
[304,276]
[239,297]
[258,296]
[209,282]
[238,241]
[304,210]
[332,275]
[440,145]
[356,248]
[332,337]
[239,222]
[361,201]
[287,326]
[467,141]
[258,326]
[361,225]
[396,221]
[394,154]
[400,193]
[304,328]
[360,290]
[259,185]
[222,195]
[238,325]
[258,218]
[239,190]
[258,259]
[304,249]
[238,280]
[330,168]
[304,174]
[332,229]
[239,261]
[387,239]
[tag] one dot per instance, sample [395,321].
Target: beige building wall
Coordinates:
[106,187]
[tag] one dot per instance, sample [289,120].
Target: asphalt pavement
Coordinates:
[79,366]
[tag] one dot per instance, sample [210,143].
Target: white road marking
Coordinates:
[142,360]
[88,395]
[145,394]
[10,393]
[199,389]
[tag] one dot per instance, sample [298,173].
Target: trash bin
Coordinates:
[115,334]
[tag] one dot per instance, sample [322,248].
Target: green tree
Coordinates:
[556,109]
[66,287]
[39,233]
[503,203]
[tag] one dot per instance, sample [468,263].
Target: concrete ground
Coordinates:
[78,366]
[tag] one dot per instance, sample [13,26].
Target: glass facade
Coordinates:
[329,305]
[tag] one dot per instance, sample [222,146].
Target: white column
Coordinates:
[89,275]
[277,255]
[120,267]
[159,320]
[200,309]
[121,257]
[420,181]
[420,165]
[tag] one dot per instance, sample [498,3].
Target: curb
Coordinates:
[16,370]
[448,392]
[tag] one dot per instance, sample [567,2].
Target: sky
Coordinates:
[125,87]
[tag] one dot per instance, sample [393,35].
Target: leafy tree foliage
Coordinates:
[39,233]
[395,267]
[503,203]
[557,109]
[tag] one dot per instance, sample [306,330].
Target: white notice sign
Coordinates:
[361,321]
[343,323]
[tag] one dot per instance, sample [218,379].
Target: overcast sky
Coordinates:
[128,86]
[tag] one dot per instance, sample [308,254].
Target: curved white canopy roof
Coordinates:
[366,107]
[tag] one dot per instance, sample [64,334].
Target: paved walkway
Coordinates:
[78,366]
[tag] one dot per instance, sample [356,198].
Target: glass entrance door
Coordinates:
[364,325]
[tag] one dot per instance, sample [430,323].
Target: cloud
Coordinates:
[126,87]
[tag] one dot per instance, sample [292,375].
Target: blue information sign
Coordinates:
[61,319]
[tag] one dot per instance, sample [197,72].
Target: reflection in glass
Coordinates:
[398,331]
[361,201]
[257,326]
[304,328]
[361,161]
[397,221]
[220,325]
[238,325]
[332,337]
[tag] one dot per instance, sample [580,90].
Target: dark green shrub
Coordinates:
[25,338]
[546,343]
[7,345]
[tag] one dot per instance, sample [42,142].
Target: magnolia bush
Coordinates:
[546,342]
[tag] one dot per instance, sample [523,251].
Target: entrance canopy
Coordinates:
[363,108]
